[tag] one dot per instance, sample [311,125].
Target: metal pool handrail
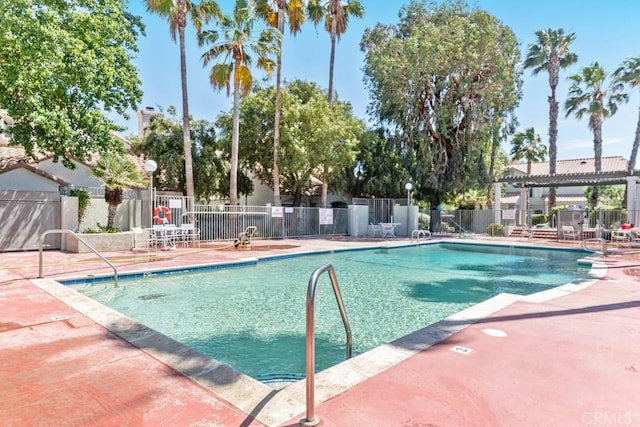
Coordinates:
[596,239]
[311,419]
[81,240]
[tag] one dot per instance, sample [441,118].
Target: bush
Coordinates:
[538,219]
[84,200]
[495,229]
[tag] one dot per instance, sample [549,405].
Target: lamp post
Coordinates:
[150,166]
[408,186]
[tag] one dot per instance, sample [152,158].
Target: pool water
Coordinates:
[253,317]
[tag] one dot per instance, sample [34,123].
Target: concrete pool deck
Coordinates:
[569,357]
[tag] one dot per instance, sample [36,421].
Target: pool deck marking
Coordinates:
[412,343]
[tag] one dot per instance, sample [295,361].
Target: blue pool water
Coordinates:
[253,317]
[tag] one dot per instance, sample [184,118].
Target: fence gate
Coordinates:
[24,216]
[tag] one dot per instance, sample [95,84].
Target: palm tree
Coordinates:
[551,54]
[629,74]
[336,15]
[588,95]
[527,145]
[275,12]
[233,52]
[117,173]
[176,12]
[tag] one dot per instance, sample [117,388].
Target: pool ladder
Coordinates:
[311,419]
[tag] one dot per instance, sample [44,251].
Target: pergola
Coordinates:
[524,182]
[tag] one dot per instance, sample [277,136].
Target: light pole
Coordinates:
[408,186]
[150,166]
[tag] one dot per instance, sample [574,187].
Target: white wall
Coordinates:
[80,176]
[24,180]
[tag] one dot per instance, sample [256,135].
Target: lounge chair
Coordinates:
[244,238]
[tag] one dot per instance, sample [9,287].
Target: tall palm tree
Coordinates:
[551,54]
[276,12]
[336,14]
[589,95]
[117,173]
[629,74]
[233,66]
[177,12]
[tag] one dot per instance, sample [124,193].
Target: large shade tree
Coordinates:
[162,142]
[336,15]
[233,53]
[277,13]
[62,66]
[591,94]
[178,12]
[316,141]
[629,74]
[438,81]
[551,53]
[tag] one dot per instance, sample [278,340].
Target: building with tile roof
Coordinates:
[572,177]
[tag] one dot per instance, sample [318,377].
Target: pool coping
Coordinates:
[271,406]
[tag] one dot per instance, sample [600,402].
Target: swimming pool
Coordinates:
[253,317]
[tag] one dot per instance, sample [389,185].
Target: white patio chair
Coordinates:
[569,233]
[376,230]
[190,234]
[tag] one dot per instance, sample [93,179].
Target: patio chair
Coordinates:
[244,238]
[569,233]
[141,235]
[376,229]
[190,234]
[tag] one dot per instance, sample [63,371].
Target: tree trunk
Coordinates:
[186,132]
[332,57]
[634,149]
[597,157]
[276,121]
[235,137]
[111,215]
[553,137]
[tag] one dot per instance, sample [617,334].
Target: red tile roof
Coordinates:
[569,167]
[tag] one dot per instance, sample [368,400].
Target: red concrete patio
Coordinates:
[570,360]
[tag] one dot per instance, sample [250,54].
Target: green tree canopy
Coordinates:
[163,143]
[379,168]
[62,65]
[315,139]
[439,81]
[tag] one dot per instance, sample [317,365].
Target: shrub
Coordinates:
[84,200]
[495,229]
[538,219]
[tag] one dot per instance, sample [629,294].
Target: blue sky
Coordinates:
[607,31]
